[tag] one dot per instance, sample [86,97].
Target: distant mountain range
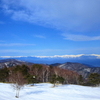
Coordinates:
[90,60]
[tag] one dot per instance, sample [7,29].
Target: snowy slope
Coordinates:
[44,91]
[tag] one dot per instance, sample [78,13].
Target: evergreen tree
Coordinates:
[56,79]
[94,79]
[80,80]
[4,74]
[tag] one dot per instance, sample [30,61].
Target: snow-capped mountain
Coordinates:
[91,59]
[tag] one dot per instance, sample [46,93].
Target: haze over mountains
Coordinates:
[90,60]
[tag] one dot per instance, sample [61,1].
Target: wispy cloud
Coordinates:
[47,52]
[16,44]
[40,36]
[1,22]
[80,37]
[2,41]
[18,37]
[76,15]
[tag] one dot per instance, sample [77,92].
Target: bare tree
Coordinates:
[36,71]
[65,75]
[44,73]
[47,74]
[17,81]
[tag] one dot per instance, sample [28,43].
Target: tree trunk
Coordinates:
[17,93]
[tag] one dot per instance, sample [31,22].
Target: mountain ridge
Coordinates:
[12,63]
[81,69]
[91,59]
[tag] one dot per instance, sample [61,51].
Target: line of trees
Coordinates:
[37,73]
[92,80]
[40,73]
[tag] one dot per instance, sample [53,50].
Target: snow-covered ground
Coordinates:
[45,91]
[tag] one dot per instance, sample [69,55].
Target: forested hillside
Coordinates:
[68,73]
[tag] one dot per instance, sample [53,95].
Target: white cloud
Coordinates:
[80,37]
[16,44]
[76,15]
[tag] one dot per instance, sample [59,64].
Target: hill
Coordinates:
[81,69]
[12,62]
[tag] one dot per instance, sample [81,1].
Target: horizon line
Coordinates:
[55,56]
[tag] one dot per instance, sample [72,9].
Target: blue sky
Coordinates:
[49,27]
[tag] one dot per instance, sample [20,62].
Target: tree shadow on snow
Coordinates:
[34,92]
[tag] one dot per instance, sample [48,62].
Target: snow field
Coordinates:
[45,91]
